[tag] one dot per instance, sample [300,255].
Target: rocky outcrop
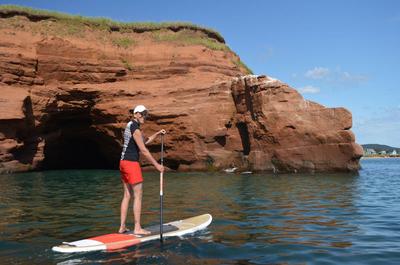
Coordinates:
[64,103]
[287,133]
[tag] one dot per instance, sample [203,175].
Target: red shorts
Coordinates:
[130,172]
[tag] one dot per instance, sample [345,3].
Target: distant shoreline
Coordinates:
[380,157]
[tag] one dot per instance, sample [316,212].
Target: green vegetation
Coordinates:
[380,147]
[188,37]
[379,150]
[127,64]
[101,23]
[241,64]
[61,24]
[123,42]
[73,29]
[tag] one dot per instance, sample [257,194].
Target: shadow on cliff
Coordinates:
[79,147]
[74,139]
[25,133]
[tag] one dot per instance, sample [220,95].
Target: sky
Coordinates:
[337,53]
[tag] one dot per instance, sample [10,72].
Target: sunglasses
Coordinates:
[144,114]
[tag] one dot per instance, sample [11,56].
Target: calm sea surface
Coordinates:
[258,219]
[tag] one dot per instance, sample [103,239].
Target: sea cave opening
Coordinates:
[73,143]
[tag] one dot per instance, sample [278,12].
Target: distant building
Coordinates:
[393,153]
[369,151]
[382,152]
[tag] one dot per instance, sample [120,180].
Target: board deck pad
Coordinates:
[117,241]
[155,229]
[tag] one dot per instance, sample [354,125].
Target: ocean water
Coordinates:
[258,219]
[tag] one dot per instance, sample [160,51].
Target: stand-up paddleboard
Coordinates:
[117,241]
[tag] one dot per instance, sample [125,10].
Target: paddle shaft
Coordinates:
[161,188]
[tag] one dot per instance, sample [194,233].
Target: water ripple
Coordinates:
[258,219]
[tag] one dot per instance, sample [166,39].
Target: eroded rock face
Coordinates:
[64,104]
[288,133]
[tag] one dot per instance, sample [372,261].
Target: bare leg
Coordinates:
[124,206]
[137,208]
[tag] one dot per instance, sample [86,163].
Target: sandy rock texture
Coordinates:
[64,101]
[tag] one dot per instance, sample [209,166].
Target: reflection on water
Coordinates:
[258,219]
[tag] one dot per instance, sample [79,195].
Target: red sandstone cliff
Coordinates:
[65,96]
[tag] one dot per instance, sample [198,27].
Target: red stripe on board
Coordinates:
[116,241]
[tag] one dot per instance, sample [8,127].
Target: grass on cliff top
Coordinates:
[241,64]
[104,23]
[189,38]
[178,32]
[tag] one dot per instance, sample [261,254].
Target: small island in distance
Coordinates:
[379,150]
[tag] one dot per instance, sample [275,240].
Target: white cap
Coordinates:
[139,108]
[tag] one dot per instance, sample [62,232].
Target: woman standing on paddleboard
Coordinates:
[131,173]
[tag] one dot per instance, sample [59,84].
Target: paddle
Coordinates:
[161,189]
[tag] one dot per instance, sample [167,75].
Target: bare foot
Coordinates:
[141,232]
[123,230]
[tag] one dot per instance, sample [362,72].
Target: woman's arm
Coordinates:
[151,138]
[137,135]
